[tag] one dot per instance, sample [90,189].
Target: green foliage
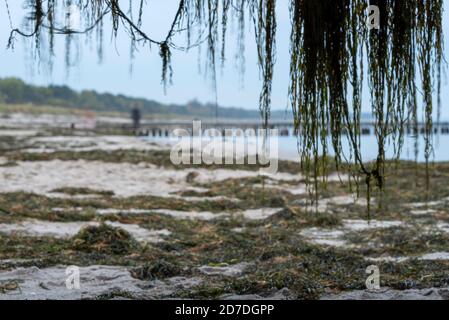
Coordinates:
[15,91]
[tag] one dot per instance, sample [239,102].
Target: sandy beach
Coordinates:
[138,227]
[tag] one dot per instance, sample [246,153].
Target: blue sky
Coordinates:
[113,74]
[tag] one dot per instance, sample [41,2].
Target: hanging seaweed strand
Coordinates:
[328,41]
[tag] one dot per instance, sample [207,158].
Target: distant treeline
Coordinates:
[15,91]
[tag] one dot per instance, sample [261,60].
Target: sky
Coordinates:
[113,75]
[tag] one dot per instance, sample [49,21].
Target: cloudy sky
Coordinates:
[113,75]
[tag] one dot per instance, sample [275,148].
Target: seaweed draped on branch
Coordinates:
[334,56]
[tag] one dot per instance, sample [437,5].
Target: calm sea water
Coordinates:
[288,147]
